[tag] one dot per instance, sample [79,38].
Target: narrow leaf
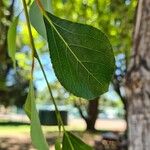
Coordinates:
[81,55]
[36,17]
[11,39]
[37,136]
[71,142]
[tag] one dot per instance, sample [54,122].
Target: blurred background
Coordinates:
[102,121]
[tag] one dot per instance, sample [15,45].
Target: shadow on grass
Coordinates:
[9,123]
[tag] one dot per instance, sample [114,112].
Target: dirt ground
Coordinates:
[15,142]
[23,142]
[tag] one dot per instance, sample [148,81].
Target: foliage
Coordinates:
[12,40]
[97,80]
[90,80]
[10,83]
[36,131]
[60,94]
[15,93]
[57,31]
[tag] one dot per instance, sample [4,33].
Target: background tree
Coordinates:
[138,81]
[61,96]
[92,110]
[6,15]
[13,86]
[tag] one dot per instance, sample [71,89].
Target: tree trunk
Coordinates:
[92,114]
[138,82]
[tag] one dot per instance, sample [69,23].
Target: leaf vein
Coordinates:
[51,23]
[74,32]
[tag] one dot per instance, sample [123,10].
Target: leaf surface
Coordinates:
[37,136]
[73,143]
[11,39]
[81,55]
[36,17]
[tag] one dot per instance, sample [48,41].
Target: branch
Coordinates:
[116,84]
[80,111]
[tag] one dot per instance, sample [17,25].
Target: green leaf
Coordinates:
[81,55]
[71,142]
[36,17]
[11,39]
[58,144]
[37,136]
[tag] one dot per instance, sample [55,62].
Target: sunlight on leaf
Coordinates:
[11,40]
[36,16]
[37,136]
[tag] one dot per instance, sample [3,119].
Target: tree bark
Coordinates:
[92,114]
[138,82]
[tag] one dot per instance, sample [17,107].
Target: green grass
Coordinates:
[17,129]
[14,129]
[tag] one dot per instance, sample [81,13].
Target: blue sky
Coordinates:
[39,78]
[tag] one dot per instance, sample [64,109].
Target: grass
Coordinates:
[6,128]
[14,129]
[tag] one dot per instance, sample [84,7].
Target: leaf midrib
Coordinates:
[59,60]
[52,24]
